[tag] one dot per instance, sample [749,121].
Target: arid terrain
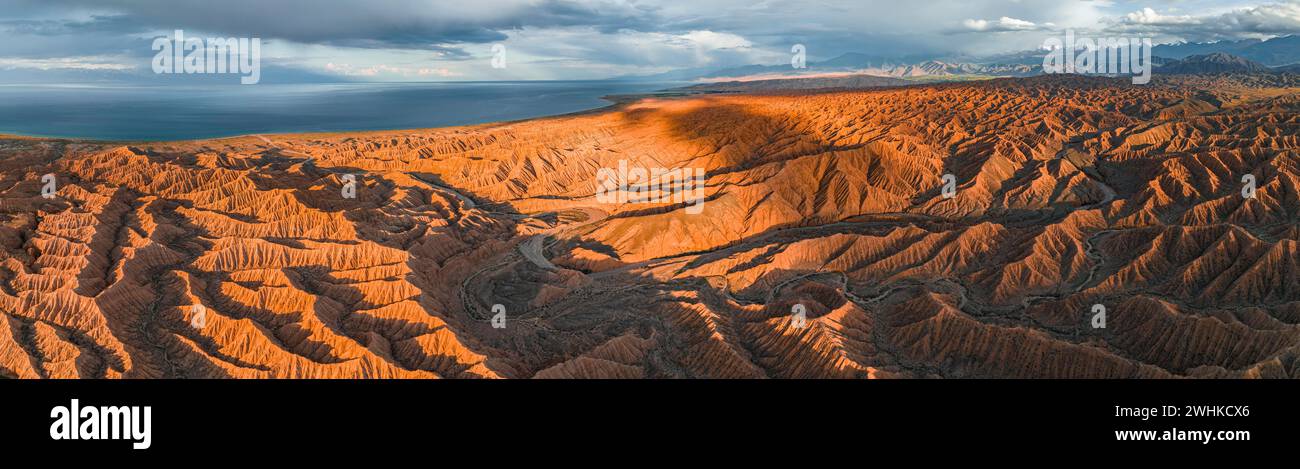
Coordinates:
[243,257]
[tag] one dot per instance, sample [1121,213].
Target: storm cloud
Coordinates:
[599,38]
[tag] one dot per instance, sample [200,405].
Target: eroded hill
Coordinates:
[245,257]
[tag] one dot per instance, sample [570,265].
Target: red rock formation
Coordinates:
[825,246]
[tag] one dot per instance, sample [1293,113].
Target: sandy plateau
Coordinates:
[1071,192]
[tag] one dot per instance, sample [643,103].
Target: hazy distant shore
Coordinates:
[130,114]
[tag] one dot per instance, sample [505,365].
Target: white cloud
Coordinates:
[64,63]
[537,53]
[1149,16]
[709,40]
[1253,22]
[437,72]
[1004,23]
[388,72]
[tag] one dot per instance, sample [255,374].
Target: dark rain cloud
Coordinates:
[389,24]
[594,37]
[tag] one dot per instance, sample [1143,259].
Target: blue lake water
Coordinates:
[177,113]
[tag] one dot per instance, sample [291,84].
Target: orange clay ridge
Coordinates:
[1071,192]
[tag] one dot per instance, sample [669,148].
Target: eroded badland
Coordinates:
[1070,192]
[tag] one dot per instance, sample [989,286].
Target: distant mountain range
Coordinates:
[1275,52]
[876,66]
[857,81]
[1253,55]
[1217,62]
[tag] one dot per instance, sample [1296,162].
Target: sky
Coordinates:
[435,40]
